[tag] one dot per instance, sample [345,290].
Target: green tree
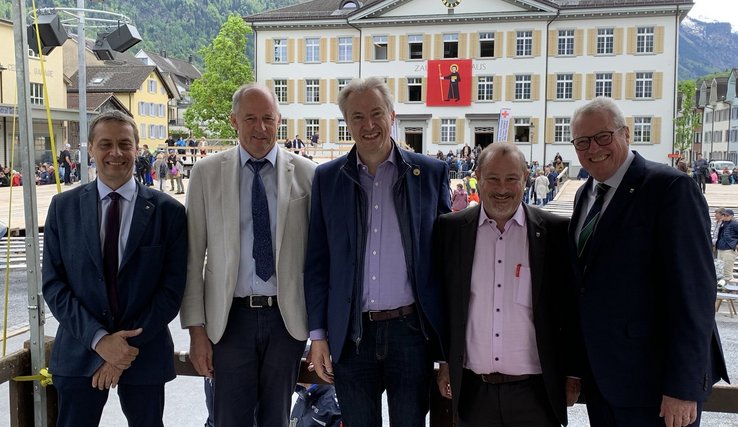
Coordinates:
[227,68]
[687,118]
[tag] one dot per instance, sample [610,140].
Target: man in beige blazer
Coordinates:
[247,210]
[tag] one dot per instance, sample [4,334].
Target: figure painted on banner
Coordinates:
[453,83]
[113,278]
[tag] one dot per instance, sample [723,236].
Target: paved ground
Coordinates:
[185,402]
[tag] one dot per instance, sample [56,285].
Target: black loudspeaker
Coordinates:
[123,38]
[51,31]
[102,49]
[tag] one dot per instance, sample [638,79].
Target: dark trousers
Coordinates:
[80,405]
[516,404]
[256,364]
[602,414]
[393,356]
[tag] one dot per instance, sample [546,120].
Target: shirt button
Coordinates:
[375,230]
[497,335]
[497,310]
[499,285]
[372,300]
[500,238]
[499,261]
[374,252]
[376,184]
[374,277]
[376,206]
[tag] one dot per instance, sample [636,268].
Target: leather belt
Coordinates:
[378,316]
[497,378]
[256,301]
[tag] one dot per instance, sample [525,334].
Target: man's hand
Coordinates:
[114,348]
[573,388]
[106,377]
[201,351]
[678,413]
[444,381]
[320,358]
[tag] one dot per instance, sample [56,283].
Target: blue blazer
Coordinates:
[646,290]
[337,238]
[151,282]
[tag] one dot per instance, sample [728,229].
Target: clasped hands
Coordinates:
[118,356]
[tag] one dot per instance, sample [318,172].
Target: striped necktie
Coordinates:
[590,223]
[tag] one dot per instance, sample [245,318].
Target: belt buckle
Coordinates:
[371,315]
[251,302]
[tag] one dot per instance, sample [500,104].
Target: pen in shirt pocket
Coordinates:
[517,270]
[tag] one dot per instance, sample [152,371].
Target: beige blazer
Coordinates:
[213,228]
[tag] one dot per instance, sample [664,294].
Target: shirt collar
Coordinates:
[518,218]
[271,156]
[616,178]
[390,158]
[126,190]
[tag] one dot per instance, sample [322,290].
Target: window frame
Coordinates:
[564,86]
[450,45]
[487,44]
[603,85]
[523,87]
[448,131]
[605,44]
[524,43]
[312,50]
[642,130]
[345,49]
[562,130]
[413,42]
[643,85]
[381,47]
[280,51]
[645,39]
[36,93]
[414,89]
[312,91]
[281,89]
[485,88]
[565,43]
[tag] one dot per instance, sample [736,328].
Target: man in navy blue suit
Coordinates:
[645,292]
[113,278]
[374,310]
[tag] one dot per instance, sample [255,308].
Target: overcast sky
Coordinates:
[716,10]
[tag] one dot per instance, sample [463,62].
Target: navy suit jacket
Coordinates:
[151,281]
[337,240]
[646,290]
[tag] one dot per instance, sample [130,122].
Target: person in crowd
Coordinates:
[583,174]
[247,210]
[645,363]
[298,145]
[162,169]
[17,179]
[713,176]
[314,139]
[727,242]
[373,304]
[473,197]
[553,182]
[503,340]
[701,171]
[459,199]
[540,186]
[682,167]
[715,226]
[734,176]
[65,161]
[113,278]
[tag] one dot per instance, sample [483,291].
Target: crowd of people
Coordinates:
[368,257]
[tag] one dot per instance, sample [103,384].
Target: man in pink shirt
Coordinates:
[504,278]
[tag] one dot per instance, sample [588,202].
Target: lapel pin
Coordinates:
[538,234]
[632,190]
[416,172]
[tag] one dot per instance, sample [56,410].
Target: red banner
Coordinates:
[449,82]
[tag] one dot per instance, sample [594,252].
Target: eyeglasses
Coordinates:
[602,138]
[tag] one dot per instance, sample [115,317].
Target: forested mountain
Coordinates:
[180,27]
[706,47]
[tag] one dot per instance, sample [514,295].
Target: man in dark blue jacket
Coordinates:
[727,242]
[374,309]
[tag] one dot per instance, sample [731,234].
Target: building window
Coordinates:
[451,45]
[280,89]
[485,88]
[605,41]
[37,94]
[522,87]
[448,131]
[564,86]
[641,129]
[280,50]
[345,49]
[380,48]
[312,90]
[522,129]
[415,46]
[162,110]
[644,85]
[140,108]
[312,49]
[644,40]
[562,130]
[342,83]
[143,131]
[343,132]
[312,126]
[487,45]
[524,43]
[152,86]
[603,84]
[414,89]
[566,42]
[282,130]
[152,131]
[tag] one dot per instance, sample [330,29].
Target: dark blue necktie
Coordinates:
[262,253]
[593,216]
[110,251]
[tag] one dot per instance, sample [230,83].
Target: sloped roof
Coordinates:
[127,78]
[174,66]
[118,57]
[95,101]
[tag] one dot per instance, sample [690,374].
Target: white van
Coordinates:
[720,165]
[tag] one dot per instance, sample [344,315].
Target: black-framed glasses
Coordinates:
[601,138]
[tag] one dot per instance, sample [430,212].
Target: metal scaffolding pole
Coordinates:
[36,316]
[82,84]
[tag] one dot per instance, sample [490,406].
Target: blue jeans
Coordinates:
[393,355]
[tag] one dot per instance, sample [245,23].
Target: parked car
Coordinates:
[720,165]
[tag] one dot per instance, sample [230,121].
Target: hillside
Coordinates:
[180,27]
[706,47]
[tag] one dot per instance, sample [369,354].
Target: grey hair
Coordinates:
[601,104]
[236,102]
[112,116]
[503,148]
[362,85]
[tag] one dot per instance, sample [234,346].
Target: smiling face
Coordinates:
[601,162]
[256,121]
[113,146]
[370,124]
[501,181]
